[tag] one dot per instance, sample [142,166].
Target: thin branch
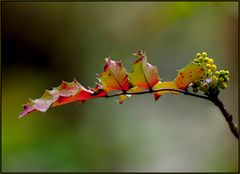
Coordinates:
[196,95]
[215,100]
[163,89]
[227,116]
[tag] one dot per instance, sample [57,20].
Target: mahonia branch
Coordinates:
[200,74]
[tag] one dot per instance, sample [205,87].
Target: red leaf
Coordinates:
[114,76]
[63,94]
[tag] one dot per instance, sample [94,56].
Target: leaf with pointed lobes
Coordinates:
[164,85]
[65,93]
[144,74]
[114,76]
[98,91]
[189,74]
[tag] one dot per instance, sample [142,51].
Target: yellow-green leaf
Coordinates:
[189,74]
[144,74]
[164,85]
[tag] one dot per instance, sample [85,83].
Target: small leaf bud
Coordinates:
[198,55]
[226,78]
[209,73]
[210,61]
[206,59]
[204,54]
[200,58]
[223,86]
[208,66]
[222,72]
[226,72]
[221,80]
[213,67]
[217,73]
[215,78]
[196,61]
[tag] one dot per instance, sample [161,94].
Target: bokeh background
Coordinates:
[45,43]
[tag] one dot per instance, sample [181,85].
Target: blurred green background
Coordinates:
[45,43]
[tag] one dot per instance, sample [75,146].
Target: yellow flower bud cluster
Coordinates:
[207,62]
[214,80]
[220,79]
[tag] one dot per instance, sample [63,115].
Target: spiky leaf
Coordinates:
[189,74]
